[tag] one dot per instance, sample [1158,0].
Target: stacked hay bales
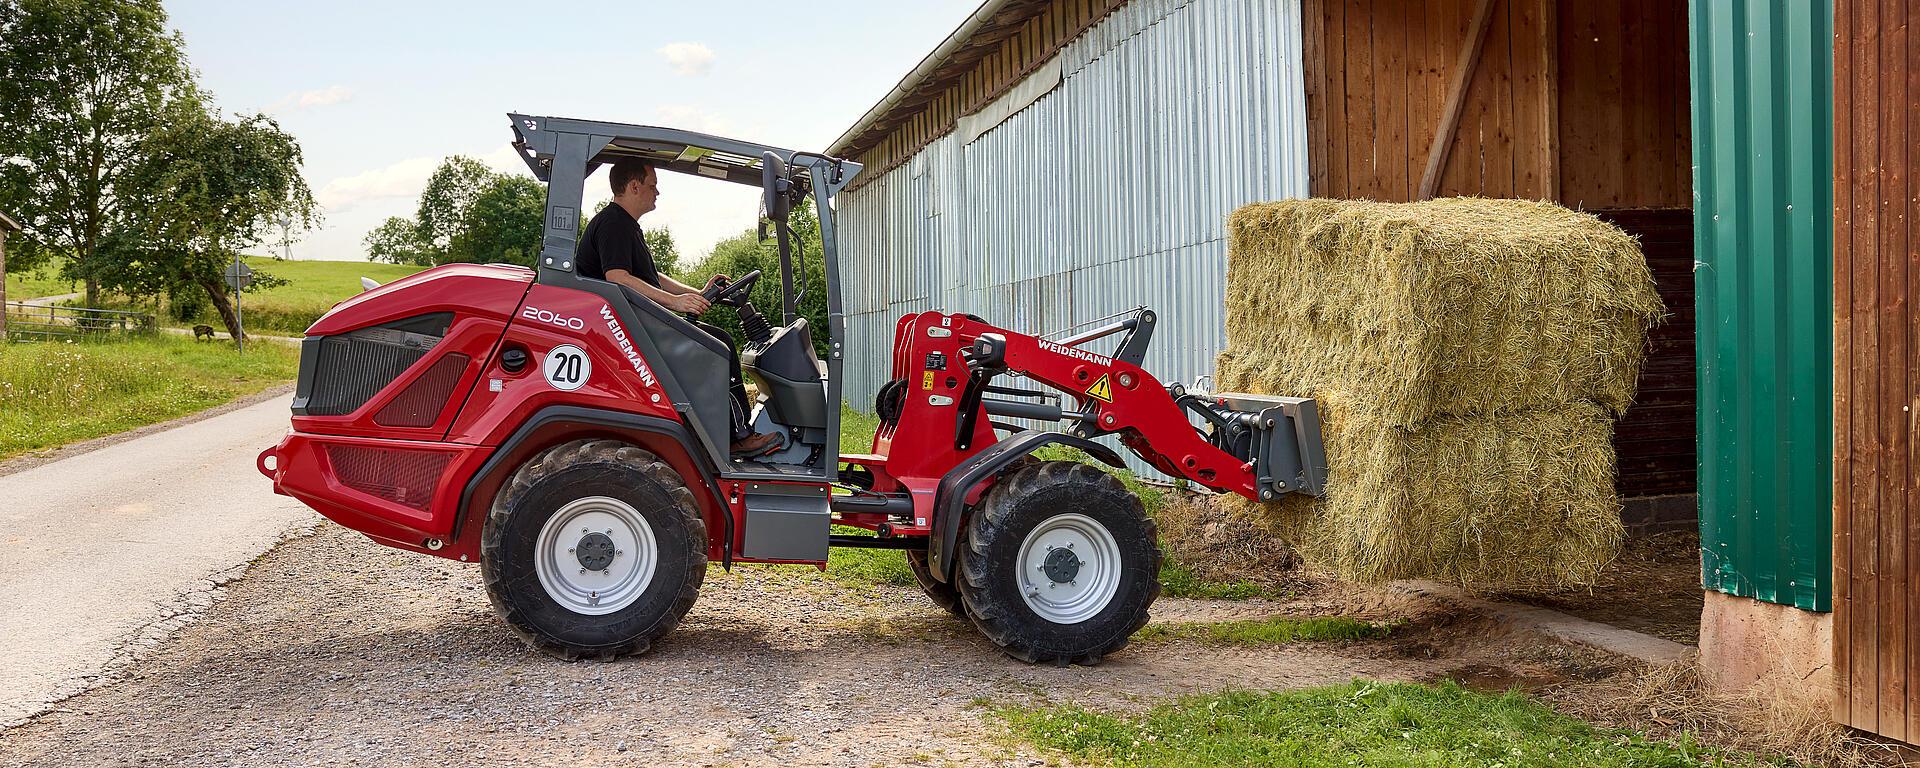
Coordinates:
[1470,357]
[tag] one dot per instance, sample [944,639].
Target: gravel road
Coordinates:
[335,651]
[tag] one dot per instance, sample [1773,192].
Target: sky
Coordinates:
[377,93]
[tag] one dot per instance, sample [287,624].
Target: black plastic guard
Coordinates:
[950,499]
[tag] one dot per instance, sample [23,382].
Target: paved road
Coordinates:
[103,552]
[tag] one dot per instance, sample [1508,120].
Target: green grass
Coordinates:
[45,281]
[1273,631]
[312,288]
[857,566]
[1360,723]
[54,393]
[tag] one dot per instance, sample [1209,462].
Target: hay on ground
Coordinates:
[1469,357]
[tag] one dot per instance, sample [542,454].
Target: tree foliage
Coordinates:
[746,252]
[470,213]
[446,205]
[397,241]
[207,188]
[82,82]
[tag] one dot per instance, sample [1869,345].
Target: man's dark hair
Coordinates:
[627,169]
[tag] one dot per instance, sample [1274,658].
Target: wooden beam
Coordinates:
[1456,100]
[1550,98]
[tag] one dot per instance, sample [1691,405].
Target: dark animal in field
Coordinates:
[200,331]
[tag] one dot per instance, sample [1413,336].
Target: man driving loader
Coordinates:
[613,249]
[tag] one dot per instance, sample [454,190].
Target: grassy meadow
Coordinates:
[54,393]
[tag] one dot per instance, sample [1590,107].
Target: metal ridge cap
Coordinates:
[955,40]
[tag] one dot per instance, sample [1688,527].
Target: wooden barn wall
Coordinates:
[1584,103]
[1876,552]
[1378,73]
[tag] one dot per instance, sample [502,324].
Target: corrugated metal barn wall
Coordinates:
[1109,192]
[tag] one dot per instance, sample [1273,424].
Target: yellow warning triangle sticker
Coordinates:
[1101,390]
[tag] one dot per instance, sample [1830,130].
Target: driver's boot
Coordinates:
[754,445]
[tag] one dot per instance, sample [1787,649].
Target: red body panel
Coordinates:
[403,486]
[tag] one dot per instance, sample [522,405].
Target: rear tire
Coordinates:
[1073,606]
[604,505]
[942,593]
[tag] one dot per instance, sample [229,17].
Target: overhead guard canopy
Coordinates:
[672,149]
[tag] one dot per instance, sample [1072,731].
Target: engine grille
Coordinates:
[353,367]
[421,403]
[404,477]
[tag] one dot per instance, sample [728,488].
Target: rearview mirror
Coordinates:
[774,203]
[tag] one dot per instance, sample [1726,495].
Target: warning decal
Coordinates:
[926,382]
[1101,390]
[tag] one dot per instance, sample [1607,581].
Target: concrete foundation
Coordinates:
[1751,645]
[1658,514]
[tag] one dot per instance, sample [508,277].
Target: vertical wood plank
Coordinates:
[1865,158]
[1909,206]
[1361,148]
[1842,364]
[1550,100]
[1496,75]
[1525,95]
[1339,122]
[1391,82]
[1313,47]
[1893,369]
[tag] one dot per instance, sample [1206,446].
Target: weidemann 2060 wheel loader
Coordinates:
[572,436]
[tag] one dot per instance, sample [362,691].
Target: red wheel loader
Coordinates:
[572,436]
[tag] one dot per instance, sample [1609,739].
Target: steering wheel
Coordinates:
[730,293]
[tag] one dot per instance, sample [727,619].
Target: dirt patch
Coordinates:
[336,651]
[1652,587]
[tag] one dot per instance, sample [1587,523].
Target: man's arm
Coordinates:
[684,300]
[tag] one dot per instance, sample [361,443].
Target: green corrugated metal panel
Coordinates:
[1763,238]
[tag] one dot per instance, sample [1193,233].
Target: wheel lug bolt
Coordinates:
[608,572]
[569,550]
[583,570]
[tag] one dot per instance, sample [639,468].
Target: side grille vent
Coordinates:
[403,477]
[354,366]
[421,403]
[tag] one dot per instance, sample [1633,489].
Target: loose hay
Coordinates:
[1469,357]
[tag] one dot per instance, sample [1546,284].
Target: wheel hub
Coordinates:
[1069,568]
[1061,565]
[596,555]
[594,551]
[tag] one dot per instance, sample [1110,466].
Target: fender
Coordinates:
[950,498]
[512,451]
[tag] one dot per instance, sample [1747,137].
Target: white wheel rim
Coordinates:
[1083,577]
[577,536]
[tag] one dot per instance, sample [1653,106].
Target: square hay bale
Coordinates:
[1469,356]
[1503,502]
[1452,306]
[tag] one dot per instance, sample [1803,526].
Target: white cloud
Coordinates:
[402,179]
[690,59]
[332,94]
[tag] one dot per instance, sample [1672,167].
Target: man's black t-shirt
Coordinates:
[613,241]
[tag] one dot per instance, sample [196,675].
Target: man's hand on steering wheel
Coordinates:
[721,290]
[690,303]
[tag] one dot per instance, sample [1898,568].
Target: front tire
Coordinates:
[1059,564]
[593,549]
[942,593]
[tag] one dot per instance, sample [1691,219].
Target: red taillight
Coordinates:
[404,477]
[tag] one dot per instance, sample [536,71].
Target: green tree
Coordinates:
[397,241]
[502,224]
[745,252]
[207,188]
[448,200]
[666,256]
[81,83]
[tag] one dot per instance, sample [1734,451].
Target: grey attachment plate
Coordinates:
[1288,454]
[787,522]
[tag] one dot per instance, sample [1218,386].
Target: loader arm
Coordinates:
[1280,452]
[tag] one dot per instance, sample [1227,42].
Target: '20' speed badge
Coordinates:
[567,368]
